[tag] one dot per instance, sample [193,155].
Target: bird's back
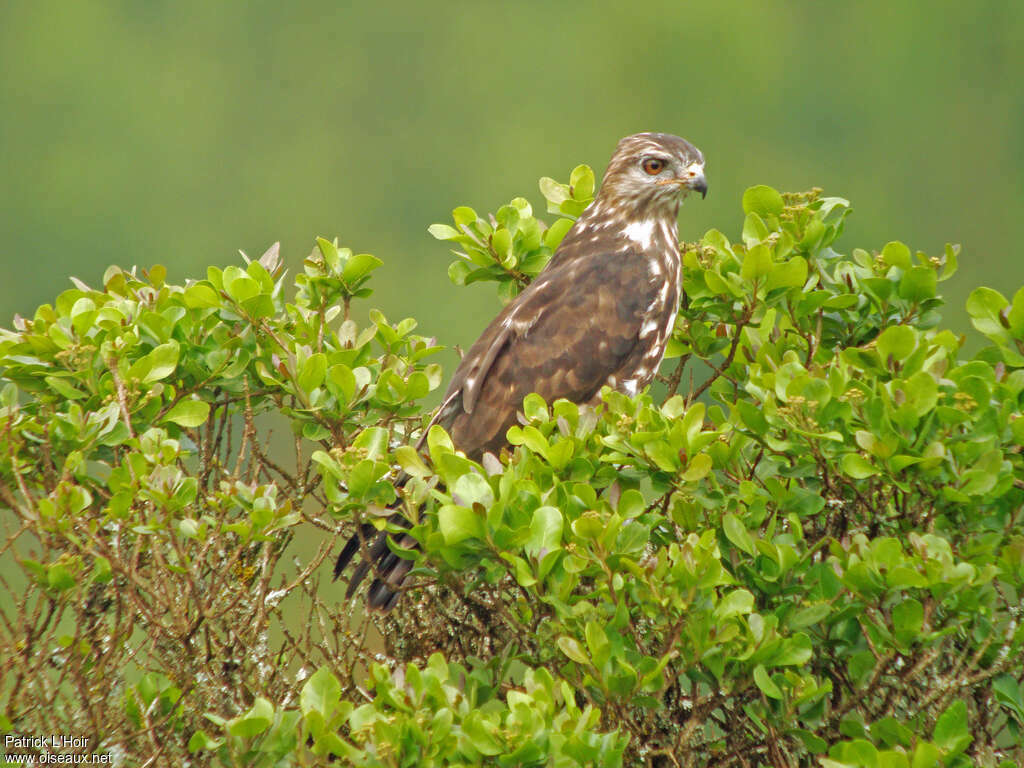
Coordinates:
[575,329]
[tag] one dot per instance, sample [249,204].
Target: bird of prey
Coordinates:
[601,312]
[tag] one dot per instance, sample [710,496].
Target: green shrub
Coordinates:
[804,547]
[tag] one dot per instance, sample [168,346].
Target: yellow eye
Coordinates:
[653,165]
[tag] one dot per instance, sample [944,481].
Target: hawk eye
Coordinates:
[653,165]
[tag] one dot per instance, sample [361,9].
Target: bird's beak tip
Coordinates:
[695,179]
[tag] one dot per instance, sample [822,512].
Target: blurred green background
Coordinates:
[142,132]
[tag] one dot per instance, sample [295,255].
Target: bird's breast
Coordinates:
[661,313]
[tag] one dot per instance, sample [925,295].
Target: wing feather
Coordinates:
[574,327]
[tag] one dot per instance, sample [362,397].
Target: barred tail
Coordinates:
[388,569]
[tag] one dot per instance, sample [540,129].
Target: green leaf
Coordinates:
[472,489]
[459,270]
[582,182]
[410,461]
[188,413]
[856,466]
[697,468]
[754,230]
[158,364]
[200,296]
[1015,317]
[342,377]
[891,731]
[907,620]
[918,284]
[762,200]
[545,531]
[841,301]
[891,758]
[361,478]
[951,731]
[898,341]
[102,572]
[597,642]
[321,693]
[588,526]
[459,523]
[443,231]
[63,387]
[902,577]
[464,215]
[501,243]
[985,306]
[358,266]
[881,287]
[765,683]
[896,254]
[737,533]
[796,651]
[571,648]
[523,572]
[239,286]
[812,614]
[631,503]
[813,744]
[553,191]
[554,234]
[737,602]
[438,443]
[752,417]
[757,262]
[199,741]
[662,455]
[313,372]
[59,578]
[373,440]
[253,722]
[950,262]
[1010,695]
[926,755]
[789,274]
[328,464]
[482,734]
[534,407]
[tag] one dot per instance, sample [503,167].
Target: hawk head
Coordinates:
[652,173]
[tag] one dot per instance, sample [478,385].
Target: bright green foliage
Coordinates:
[442,714]
[513,246]
[147,518]
[804,547]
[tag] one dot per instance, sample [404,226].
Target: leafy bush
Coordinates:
[804,547]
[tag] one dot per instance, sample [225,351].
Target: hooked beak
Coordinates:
[694,179]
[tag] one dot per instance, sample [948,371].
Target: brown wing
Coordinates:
[574,327]
[578,325]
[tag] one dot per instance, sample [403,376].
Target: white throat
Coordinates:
[640,232]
